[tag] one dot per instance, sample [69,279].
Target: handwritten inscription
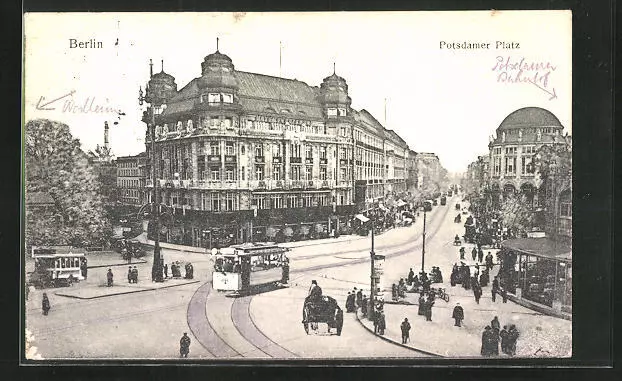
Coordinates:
[90,105]
[510,70]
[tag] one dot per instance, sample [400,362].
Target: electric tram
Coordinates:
[57,265]
[240,268]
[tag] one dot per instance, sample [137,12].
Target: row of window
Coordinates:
[216,98]
[133,172]
[509,167]
[128,183]
[514,150]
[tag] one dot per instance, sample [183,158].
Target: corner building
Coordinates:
[243,156]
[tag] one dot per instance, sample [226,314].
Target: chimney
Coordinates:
[106,135]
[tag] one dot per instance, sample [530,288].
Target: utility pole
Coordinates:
[423,247]
[372,253]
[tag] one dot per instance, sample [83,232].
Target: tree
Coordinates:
[55,164]
[516,213]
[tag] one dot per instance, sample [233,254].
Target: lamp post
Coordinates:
[372,254]
[156,210]
[423,246]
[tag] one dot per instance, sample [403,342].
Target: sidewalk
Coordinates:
[101,290]
[442,338]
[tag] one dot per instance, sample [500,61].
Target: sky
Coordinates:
[438,98]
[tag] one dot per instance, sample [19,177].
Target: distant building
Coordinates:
[131,178]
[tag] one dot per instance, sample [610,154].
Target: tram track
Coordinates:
[240,314]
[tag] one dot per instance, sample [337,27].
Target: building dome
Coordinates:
[334,89]
[160,88]
[530,117]
[217,71]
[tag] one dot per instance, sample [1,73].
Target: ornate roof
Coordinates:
[530,117]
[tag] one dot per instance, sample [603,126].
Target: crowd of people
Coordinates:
[493,336]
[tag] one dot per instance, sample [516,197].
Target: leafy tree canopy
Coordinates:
[55,164]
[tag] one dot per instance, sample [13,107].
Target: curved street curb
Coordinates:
[124,292]
[396,342]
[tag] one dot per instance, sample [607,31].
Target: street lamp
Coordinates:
[156,210]
[423,246]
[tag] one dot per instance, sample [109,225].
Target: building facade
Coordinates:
[131,179]
[243,156]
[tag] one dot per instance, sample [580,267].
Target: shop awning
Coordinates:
[541,247]
[362,218]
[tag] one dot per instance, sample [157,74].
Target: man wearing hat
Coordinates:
[184,345]
[458,315]
[315,292]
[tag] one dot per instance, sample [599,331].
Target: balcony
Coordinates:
[212,184]
[277,159]
[295,160]
[323,161]
[230,158]
[309,160]
[297,184]
[343,161]
[260,159]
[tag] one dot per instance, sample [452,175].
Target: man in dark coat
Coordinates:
[495,289]
[405,327]
[411,276]
[494,323]
[462,252]
[45,304]
[129,274]
[109,277]
[489,261]
[486,341]
[504,336]
[165,269]
[359,298]
[480,255]
[513,337]
[84,268]
[474,253]
[315,293]
[135,274]
[458,315]
[421,310]
[381,322]
[339,321]
[477,293]
[428,309]
[349,303]
[494,342]
[364,305]
[504,294]
[184,345]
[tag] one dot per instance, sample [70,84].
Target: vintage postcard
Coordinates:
[338,185]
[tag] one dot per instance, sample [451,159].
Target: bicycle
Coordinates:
[440,293]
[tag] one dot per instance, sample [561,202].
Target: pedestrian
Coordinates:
[462,252]
[504,335]
[495,288]
[339,321]
[45,304]
[350,303]
[421,310]
[474,253]
[458,315]
[513,336]
[428,309]
[165,271]
[494,323]
[394,292]
[489,261]
[480,255]
[135,274]
[411,276]
[184,345]
[129,274]
[84,268]
[405,327]
[504,294]
[363,305]
[477,293]
[494,341]
[486,341]
[359,298]
[381,322]
[109,277]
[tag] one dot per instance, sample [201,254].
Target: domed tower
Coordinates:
[334,96]
[160,88]
[218,81]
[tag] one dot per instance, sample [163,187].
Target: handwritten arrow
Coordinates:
[42,106]
[553,94]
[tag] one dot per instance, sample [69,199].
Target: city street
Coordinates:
[149,324]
